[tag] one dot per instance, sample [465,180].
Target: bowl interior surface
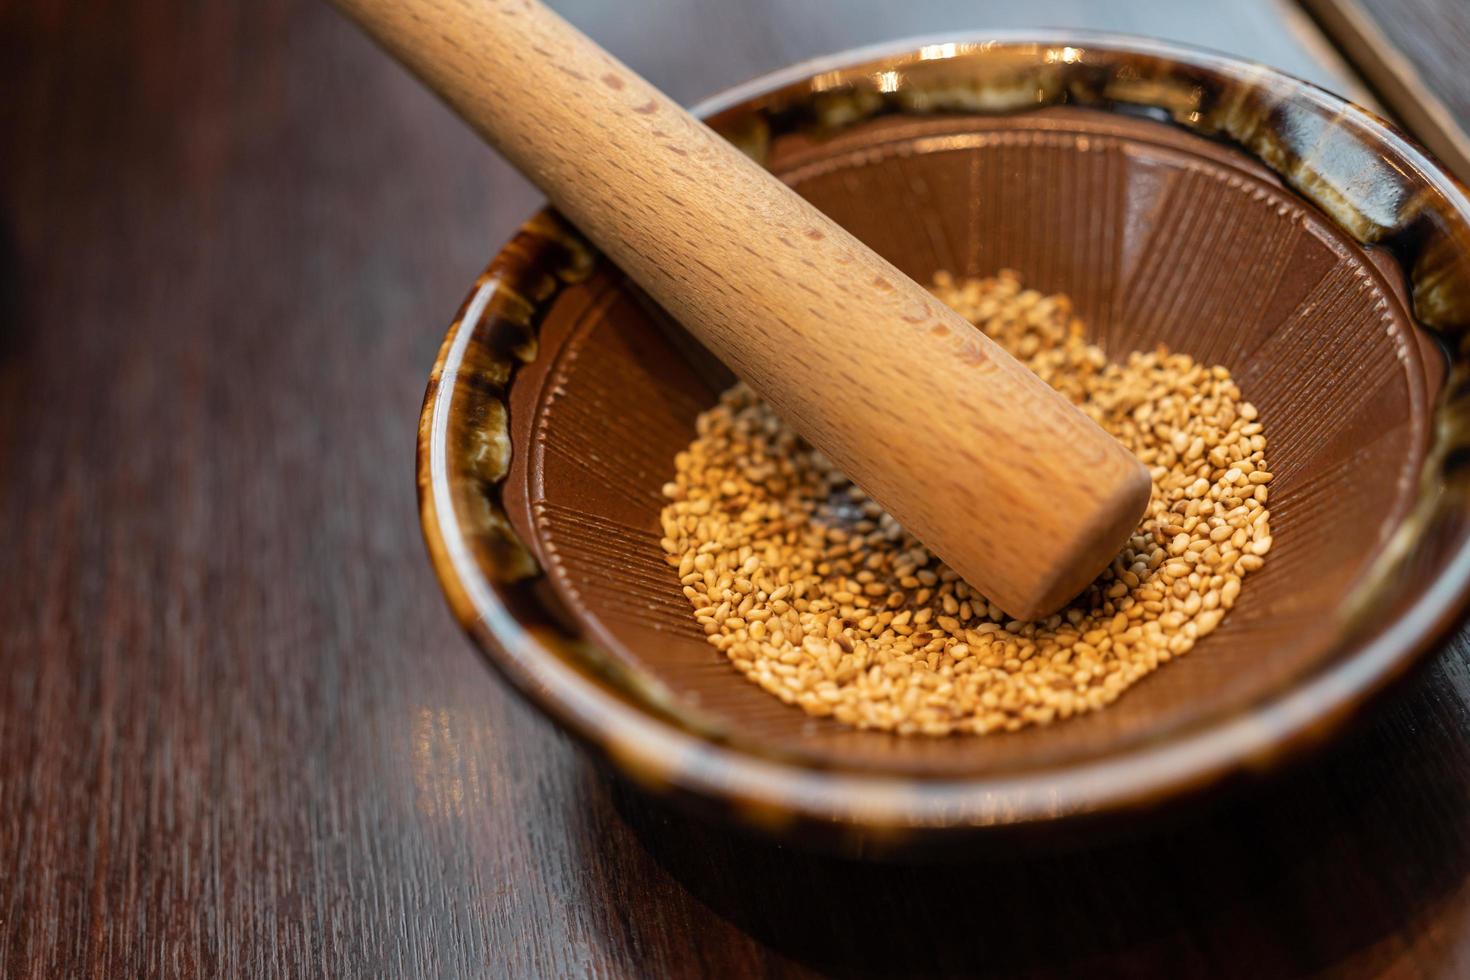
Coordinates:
[1160,237]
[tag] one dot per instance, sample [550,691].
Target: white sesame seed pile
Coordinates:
[816,594]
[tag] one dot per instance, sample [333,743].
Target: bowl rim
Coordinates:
[773,794]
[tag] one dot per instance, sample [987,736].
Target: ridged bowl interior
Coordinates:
[1160,236]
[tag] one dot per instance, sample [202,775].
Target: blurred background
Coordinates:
[240,734]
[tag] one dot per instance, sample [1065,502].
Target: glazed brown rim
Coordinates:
[1319,144]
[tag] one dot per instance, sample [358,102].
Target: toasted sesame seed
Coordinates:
[815,594]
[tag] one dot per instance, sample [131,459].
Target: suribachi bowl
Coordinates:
[1182,198]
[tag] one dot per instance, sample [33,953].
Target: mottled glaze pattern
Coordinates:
[1375,186]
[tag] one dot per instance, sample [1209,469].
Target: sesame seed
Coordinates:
[819,597]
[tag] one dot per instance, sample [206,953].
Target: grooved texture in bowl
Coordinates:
[1159,236]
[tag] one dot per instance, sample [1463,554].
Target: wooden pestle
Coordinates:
[1015,488]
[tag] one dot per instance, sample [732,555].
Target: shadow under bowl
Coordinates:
[1180,198]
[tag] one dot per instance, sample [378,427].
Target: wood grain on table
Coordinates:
[240,735]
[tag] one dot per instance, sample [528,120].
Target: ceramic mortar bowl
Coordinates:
[1180,197]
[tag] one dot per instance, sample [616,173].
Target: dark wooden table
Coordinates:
[240,735]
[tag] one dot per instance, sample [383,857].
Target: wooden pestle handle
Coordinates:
[1015,488]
